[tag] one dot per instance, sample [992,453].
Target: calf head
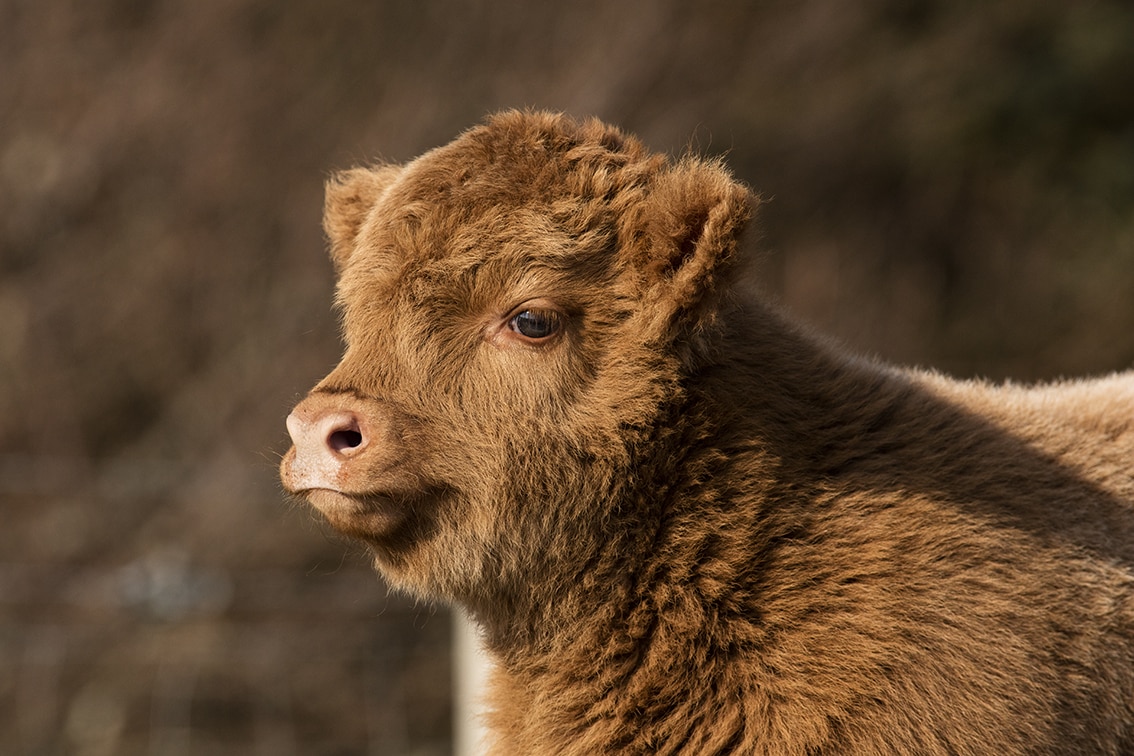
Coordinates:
[519,309]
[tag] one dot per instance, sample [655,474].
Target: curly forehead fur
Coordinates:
[587,182]
[683,523]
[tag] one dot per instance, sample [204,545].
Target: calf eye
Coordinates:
[535,324]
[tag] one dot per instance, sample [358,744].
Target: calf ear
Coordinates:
[688,232]
[349,197]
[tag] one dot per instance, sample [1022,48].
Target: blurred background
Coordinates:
[950,183]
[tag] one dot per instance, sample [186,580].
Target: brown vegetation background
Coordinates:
[951,184]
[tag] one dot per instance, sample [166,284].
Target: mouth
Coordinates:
[369,517]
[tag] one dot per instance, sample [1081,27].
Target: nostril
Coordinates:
[344,439]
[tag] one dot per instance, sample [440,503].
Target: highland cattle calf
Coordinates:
[683,523]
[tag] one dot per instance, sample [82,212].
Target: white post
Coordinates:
[470,676]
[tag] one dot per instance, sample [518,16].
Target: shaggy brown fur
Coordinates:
[684,524]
